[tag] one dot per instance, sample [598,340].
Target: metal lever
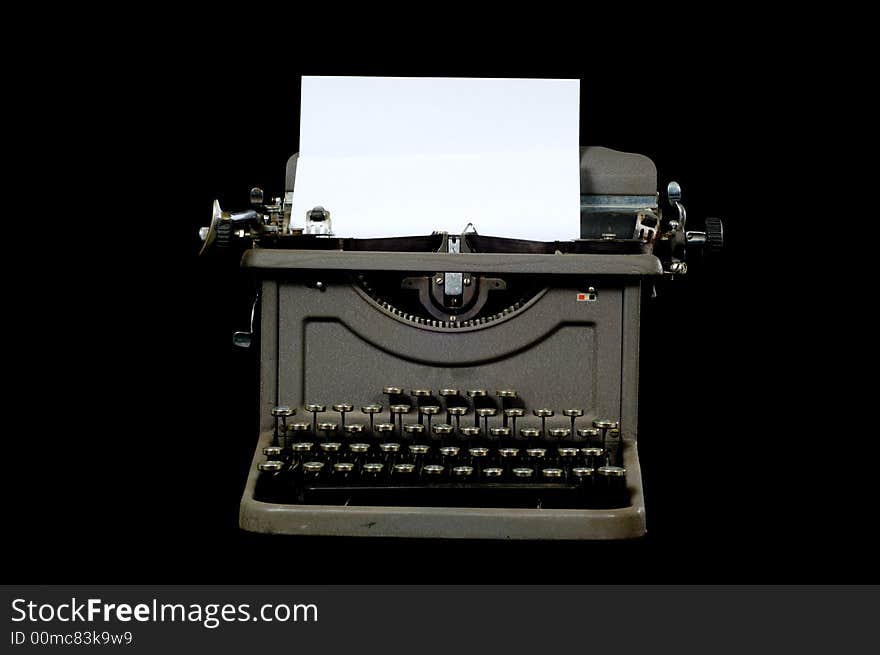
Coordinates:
[246,339]
[673,194]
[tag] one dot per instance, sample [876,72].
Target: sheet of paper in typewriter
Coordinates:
[408,156]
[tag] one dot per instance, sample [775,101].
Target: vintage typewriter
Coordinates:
[455,385]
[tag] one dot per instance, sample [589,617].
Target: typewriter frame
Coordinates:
[313,286]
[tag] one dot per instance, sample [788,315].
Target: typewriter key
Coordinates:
[523,472]
[457,412]
[589,434]
[478,452]
[343,409]
[429,411]
[358,451]
[327,429]
[506,393]
[508,452]
[543,414]
[343,470]
[476,393]
[443,430]
[413,429]
[315,409]
[470,431]
[530,433]
[573,414]
[392,391]
[568,453]
[448,392]
[433,470]
[283,412]
[301,450]
[371,410]
[313,469]
[331,447]
[354,428]
[536,452]
[559,433]
[604,426]
[513,413]
[448,453]
[272,453]
[493,472]
[399,411]
[584,476]
[593,456]
[612,481]
[484,413]
[553,473]
[462,471]
[417,453]
[499,431]
[389,450]
[271,484]
[403,470]
[372,470]
[420,393]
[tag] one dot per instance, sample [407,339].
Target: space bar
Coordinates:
[496,494]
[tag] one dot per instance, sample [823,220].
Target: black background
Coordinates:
[149,427]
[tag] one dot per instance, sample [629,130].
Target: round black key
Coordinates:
[354,428]
[433,470]
[371,411]
[372,470]
[589,434]
[283,412]
[273,452]
[523,472]
[272,466]
[511,414]
[414,429]
[301,450]
[462,471]
[470,431]
[493,472]
[343,409]
[327,429]
[553,473]
[429,411]
[403,470]
[313,469]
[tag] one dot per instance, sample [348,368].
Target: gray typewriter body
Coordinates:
[455,386]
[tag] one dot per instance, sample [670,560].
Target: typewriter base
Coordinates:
[445,522]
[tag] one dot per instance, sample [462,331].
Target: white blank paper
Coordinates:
[409,156]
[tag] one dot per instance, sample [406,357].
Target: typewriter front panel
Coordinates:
[336,345]
[571,345]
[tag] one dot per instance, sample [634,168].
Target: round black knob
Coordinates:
[714,236]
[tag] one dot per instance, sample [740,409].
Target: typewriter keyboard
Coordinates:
[451,448]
